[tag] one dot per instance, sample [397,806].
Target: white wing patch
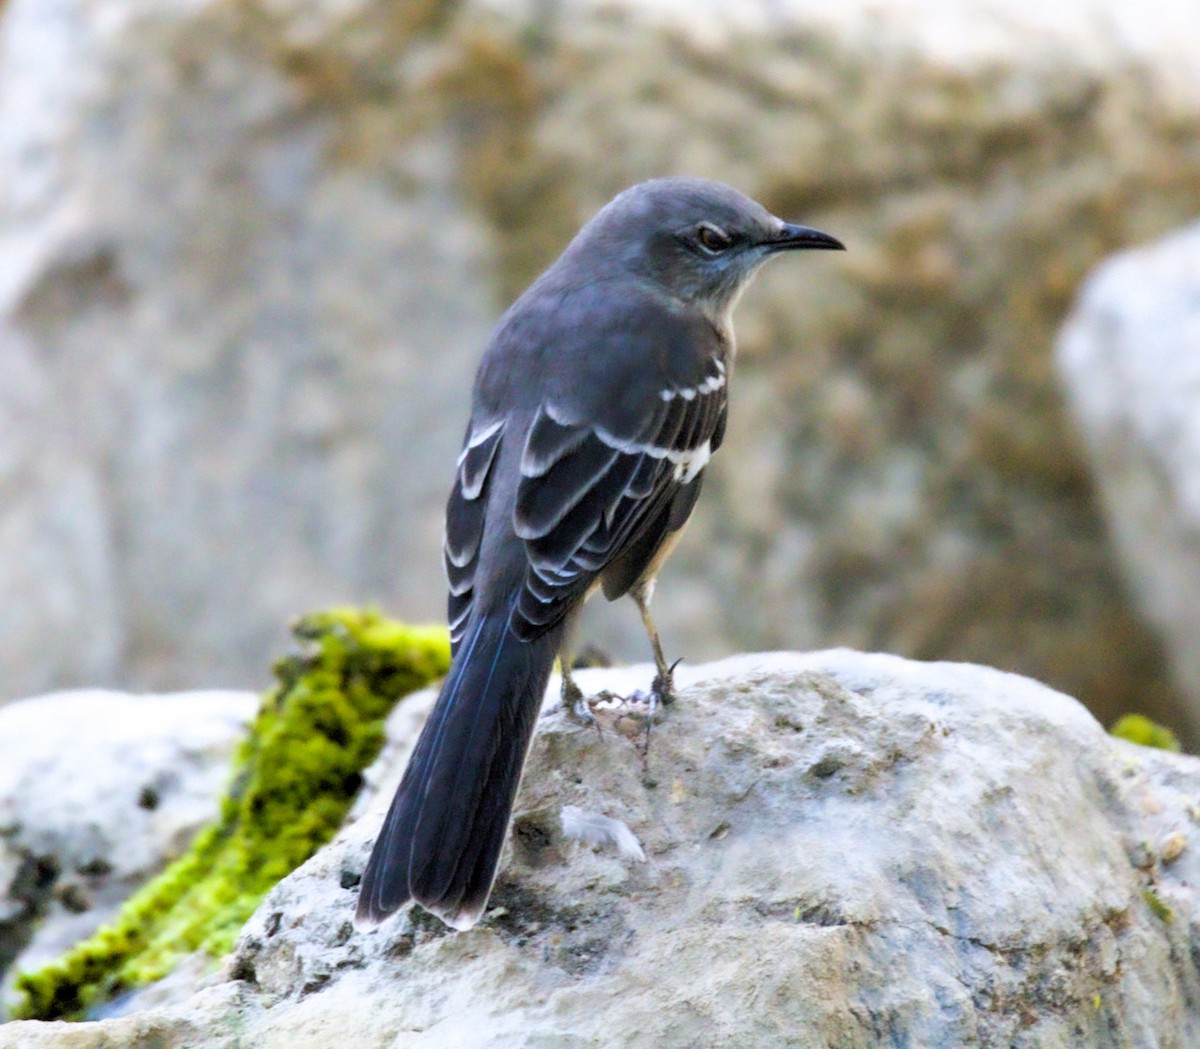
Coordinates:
[710,385]
[688,461]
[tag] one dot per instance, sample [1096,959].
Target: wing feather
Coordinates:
[466,512]
[578,474]
[589,494]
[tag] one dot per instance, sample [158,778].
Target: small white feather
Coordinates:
[593,829]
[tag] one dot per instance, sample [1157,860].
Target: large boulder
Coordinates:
[98,792]
[831,849]
[1130,361]
[250,252]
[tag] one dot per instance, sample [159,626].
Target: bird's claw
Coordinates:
[581,714]
[578,707]
[662,689]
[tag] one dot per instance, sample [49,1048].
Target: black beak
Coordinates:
[796,238]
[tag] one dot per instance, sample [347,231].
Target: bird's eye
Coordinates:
[713,240]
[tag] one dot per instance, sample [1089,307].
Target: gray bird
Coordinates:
[600,399]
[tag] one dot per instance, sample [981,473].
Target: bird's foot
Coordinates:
[581,714]
[646,705]
[578,707]
[662,689]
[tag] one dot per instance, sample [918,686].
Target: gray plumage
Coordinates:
[598,403]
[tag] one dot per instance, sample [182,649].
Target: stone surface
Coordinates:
[841,850]
[1130,363]
[250,252]
[98,791]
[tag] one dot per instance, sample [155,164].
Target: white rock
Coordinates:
[841,850]
[1130,360]
[98,791]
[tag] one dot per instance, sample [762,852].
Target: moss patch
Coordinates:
[1161,911]
[1140,729]
[294,779]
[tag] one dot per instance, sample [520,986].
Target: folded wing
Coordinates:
[589,494]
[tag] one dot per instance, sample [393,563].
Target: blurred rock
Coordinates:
[841,850]
[98,792]
[250,253]
[1130,361]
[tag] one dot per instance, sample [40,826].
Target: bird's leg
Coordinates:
[663,688]
[574,702]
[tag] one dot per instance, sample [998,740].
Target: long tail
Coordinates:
[440,844]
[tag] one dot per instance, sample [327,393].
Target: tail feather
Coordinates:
[440,843]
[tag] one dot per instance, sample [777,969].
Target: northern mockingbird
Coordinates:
[599,401]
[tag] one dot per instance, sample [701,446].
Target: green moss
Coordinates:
[294,778]
[1139,729]
[1161,911]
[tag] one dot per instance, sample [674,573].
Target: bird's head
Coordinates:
[699,241]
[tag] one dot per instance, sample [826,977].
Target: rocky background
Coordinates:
[250,252]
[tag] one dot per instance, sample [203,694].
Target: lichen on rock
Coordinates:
[294,778]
